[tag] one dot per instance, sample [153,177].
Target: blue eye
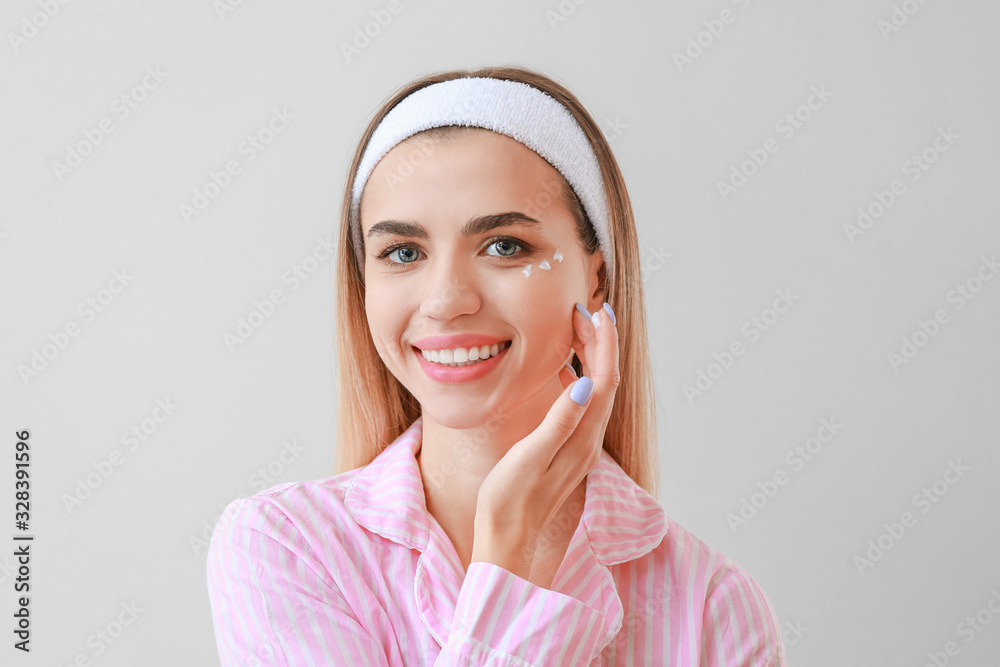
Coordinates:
[507,241]
[502,241]
[389,251]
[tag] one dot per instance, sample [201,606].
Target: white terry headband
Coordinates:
[515,109]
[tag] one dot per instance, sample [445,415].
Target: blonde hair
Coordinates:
[374,408]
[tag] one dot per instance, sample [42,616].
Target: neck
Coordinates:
[455,457]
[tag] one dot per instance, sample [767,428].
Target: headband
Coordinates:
[512,108]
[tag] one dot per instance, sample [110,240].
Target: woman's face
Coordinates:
[432,280]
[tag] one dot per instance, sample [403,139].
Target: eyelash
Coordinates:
[495,239]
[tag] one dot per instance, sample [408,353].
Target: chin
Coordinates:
[460,416]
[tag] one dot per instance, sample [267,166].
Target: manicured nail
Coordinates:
[581,390]
[596,319]
[611,313]
[583,311]
[571,370]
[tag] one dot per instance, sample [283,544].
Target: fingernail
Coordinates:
[611,313]
[581,390]
[596,319]
[571,370]
[583,311]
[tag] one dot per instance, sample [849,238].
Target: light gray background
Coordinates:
[710,265]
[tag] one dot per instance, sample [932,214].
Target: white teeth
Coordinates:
[464,356]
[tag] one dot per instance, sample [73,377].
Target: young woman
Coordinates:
[492,508]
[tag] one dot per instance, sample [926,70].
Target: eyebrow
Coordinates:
[474,227]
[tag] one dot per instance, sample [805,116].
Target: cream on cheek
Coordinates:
[534,299]
[542,295]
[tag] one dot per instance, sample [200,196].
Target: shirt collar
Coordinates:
[622,521]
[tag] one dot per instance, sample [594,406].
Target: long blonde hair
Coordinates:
[375,408]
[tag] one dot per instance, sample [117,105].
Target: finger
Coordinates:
[584,340]
[560,421]
[609,358]
[605,360]
[567,375]
[584,444]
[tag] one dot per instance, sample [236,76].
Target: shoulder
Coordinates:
[735,612]
[292,513]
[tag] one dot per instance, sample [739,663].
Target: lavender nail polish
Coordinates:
[581,390]
[611,312]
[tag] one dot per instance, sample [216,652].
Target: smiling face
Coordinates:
[432,279]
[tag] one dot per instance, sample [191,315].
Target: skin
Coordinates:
[490,447]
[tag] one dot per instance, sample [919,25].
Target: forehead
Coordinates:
[474,171]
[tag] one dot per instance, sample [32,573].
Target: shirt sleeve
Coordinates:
[271,606]
[502,620]
[740,628]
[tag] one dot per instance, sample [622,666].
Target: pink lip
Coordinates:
[456,340]
[442,373]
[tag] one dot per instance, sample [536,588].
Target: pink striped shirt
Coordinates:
[353,570]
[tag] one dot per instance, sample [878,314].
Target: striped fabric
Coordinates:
[352,570]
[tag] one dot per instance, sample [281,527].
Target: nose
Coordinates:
[452,289]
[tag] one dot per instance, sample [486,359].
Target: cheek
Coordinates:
[541,306]
[374,330]
[382,321]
